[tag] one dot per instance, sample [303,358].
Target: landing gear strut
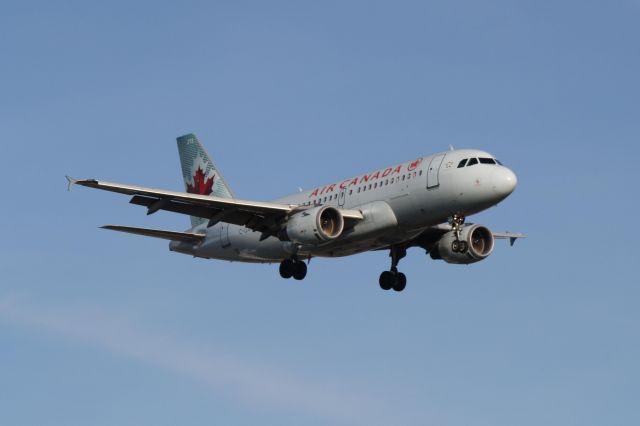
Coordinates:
[457,223]
[393,279]
[293,268]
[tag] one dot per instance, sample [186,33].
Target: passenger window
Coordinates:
[487,161]
[462,163]
[472,162]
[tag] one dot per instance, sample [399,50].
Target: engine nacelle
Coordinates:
[479,241]
[315,226]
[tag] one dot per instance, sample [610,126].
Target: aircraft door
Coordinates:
[342,196]
[434,170]
[224,235]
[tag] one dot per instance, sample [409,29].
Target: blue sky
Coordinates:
[101,328]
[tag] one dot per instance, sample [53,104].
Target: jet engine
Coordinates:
[315,226]
[474,245]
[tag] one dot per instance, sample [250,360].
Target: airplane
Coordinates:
[419,203]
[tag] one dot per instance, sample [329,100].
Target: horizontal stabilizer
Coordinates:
[187,237]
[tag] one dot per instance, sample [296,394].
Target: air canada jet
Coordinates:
[420,203]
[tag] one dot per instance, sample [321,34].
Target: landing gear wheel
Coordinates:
[393,279]
[463,247]
[286,268]
[455,246]
[386,280]
[400,282]
[299,270]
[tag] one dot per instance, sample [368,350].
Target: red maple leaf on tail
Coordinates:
[200,185]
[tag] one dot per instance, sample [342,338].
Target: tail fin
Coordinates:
[199,173]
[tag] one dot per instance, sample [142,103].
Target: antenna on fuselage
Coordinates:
[451,148]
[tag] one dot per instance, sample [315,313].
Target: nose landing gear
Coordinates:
[393,279]
[457,223]
[458,246]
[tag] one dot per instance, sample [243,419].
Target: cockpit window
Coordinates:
[462,163]
[472,162]
[498,161]
[487,161]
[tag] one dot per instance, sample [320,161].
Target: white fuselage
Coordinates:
[397,202]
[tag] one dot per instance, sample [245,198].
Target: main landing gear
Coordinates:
[393,279]
[457,223]
[293,268]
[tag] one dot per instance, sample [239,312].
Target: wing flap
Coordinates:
[237,218]
[187,237]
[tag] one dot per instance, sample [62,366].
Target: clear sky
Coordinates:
[102,328]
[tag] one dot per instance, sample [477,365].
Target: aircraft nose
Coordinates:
[505,182]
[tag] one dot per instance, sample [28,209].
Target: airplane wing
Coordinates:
[257,215]
[510,235]
[433,233]
[188,237]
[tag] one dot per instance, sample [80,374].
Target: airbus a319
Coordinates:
[419,203]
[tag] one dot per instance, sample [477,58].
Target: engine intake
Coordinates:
[315,226]
[479,245]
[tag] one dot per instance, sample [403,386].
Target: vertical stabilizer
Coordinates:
[199,173]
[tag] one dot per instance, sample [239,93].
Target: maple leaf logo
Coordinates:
[414,164]
[200,185]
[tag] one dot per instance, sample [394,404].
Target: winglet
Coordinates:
[70,182]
